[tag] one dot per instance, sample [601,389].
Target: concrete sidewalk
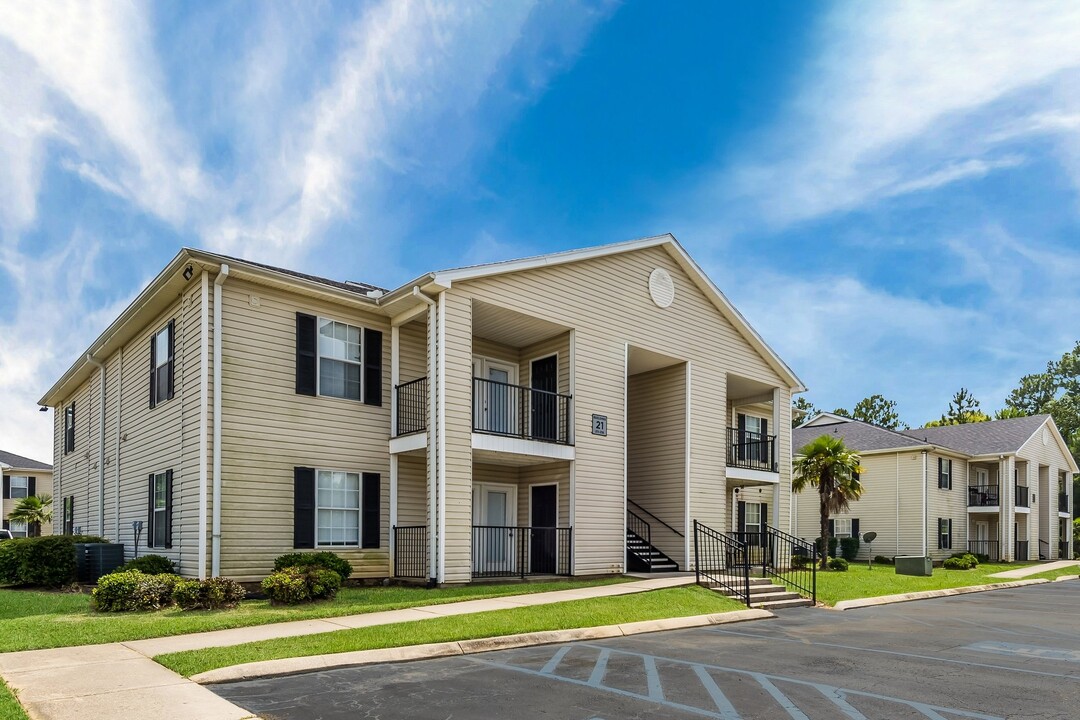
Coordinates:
[1036,569]
[103,682]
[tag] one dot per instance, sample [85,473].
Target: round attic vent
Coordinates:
[1046,436]
[661,288]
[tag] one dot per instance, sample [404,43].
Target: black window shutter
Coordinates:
[168,508]
[950,534]
[742,517]
[306,356]
[764,517]
[303,507]
[7,525]
[370,510]
[31,487]
[150,514]
[940,541]
[153,370]
[7,487]
[172,357]
[832,528]
[372,367]
[940,476]
[855,527]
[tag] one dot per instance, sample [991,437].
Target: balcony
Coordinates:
[412,411]
[983,496]
[1021,496]
[751,450]
[509,551]
[520,412]
[989,548]
[1021,550]
[1063,502]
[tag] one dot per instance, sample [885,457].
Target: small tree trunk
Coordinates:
[824,529]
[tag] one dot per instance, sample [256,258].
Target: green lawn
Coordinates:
[32,620]
[10,709]
[860,582]
[652,605]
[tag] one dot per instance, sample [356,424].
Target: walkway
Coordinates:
[104,682]
[1036,569]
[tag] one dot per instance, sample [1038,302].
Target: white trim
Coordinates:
[395,359]
[546,483]
[625,410]
[215,529]
[408,443]
[687,531]
[479,505]
[925,518]
[116,454]
[318,357]
[572,500]
[359,507]
[204,391]
[518,446]
[441,431]
[407,316]
[393,510]
[778,459]
[1059,439]
[760,476]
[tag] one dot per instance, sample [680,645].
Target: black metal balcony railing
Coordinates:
[410,551]
[518,411]
[751,450]
[983,496]
[1021,496]
[989,548]
[412,398]
[721,561]
[1063,502]
[507,551]
[1022,550]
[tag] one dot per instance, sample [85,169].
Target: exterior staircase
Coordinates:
[767,596]
[644,557]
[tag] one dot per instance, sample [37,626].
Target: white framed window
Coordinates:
[20,488]
[340,360]
[161,509]
[161,369]
[753,517]
[17,528]
[842,527]
[337,509]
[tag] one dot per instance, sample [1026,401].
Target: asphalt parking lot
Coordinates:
[996,655]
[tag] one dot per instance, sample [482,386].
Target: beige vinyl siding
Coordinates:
[412,350]
[496,351]
[607,303]
[43,485]
[1044,514]
[545,474]
[268,430]
[656,454]
[412,490]
[457,353]
[947,504]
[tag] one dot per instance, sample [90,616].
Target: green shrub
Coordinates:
[325,560]
[133,590]
[44,561]
[800,561]
[882,560]
[963,562]
[210,594]
[838,564]
[150,565]
[293,585]
[849,548]
[833,544]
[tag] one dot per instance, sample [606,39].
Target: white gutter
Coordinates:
[897,503]
[116,456]
[215,562]
[924,492]
[204,382]
[432,445]
[442,435]
[101,442]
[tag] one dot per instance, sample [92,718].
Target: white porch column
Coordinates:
[780,462]
[1007,494]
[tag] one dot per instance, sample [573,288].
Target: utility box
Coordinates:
[914,565]
[92,560]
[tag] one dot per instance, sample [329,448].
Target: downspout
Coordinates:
[101,442]
[215,540]
[116,455]
[924,526]
[204,369]
[432,417]
[897,503]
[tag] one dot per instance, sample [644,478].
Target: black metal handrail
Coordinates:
[411,551]
[983,496]
[793,562]
[520,551]
[1063,550]
[412,404]
[1063,502]
[517,411]
[751,450]
[720,561]
[637,528]
[1021,495]
[989,548]
[646,512]
[1021,550]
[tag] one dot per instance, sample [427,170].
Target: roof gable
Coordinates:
[857,435]
[18,462]
[983,438]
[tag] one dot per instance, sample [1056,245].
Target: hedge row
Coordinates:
[42,561]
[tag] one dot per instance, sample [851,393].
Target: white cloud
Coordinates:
[953,172]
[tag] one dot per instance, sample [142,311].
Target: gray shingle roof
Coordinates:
[985,438]
[23,463]
[857,435]
[359,288]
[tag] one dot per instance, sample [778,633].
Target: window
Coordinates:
[753,517]
[337,509]
[159,510]
[944,534]
[69,515]
[161,365]
[944,473]
[69,428]
[842,528]
[20,486]
[160,526]
[339,359]
[17,528]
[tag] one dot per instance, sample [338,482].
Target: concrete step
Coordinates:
[782,604]
[774,596]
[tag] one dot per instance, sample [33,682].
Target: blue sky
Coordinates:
[888,191]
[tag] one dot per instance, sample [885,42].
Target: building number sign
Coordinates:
[599,424]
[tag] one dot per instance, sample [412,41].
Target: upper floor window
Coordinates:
[944,473]
[20,487]
[162,363]
[336,359]
[340,361]
[69,428]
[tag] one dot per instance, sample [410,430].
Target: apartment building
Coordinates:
[22,477]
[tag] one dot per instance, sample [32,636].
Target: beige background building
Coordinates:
[22,477]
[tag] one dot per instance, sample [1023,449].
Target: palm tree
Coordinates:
[828,465]
[33,511]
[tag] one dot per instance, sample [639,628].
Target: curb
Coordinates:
[292,666]
[929,594]
[1066,578]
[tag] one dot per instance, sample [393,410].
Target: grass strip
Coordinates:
[10,709]
[652,605]
[861,582]
[34,620]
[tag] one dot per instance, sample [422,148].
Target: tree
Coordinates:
[963,408]
[828,465]
[1008,413]
[802,410]
[877,411]
[34,511]
[842,412]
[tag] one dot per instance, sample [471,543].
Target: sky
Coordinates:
[887,191]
